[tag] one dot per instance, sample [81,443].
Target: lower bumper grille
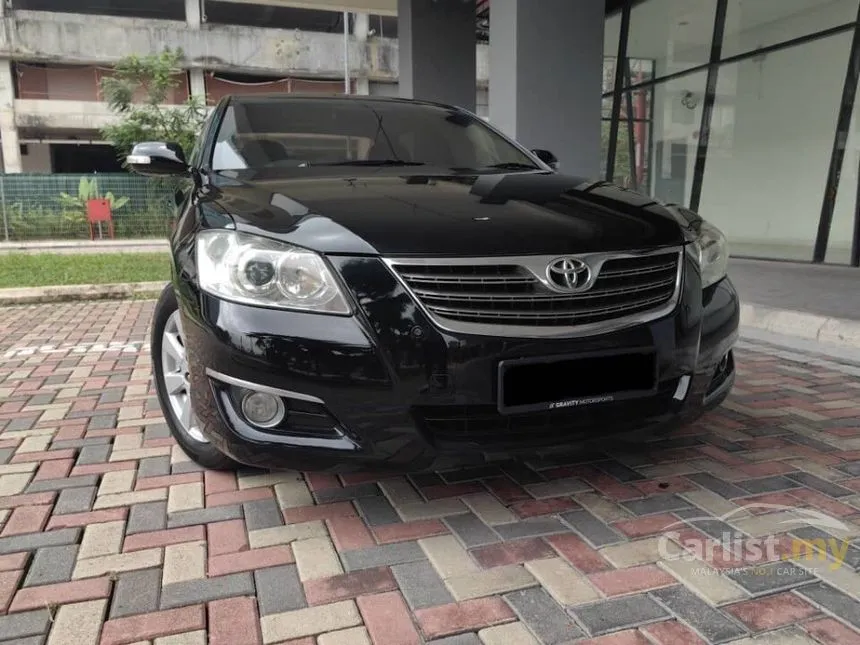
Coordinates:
[482,424]
[517,292]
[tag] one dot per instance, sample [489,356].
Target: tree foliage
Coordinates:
[137,93]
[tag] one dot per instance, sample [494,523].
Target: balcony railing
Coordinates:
[218,87]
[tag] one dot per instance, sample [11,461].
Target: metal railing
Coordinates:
[54,207]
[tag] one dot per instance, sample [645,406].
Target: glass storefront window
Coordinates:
[753,24]
[674,34]
[668,158]
[769,151]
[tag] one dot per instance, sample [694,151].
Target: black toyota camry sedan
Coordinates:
[366,283]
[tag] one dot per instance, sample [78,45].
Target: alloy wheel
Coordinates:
[174,370]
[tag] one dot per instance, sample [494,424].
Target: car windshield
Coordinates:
[302,133]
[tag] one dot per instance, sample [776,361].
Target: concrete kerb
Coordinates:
[72,293]
[833,331]
[86,246]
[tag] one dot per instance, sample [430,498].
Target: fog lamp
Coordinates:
[263,409]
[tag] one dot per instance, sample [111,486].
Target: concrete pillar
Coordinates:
[198,83]
[437,50]
[194,19]
[360,30]
[193,13]
[8,129]
[546,70]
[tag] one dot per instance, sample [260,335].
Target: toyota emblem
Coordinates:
[569,274]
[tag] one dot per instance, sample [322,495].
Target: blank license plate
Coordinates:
[568,382]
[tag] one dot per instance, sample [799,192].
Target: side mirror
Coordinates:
[547,157]
[157,158]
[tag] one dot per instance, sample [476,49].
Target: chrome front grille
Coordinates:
[481,295]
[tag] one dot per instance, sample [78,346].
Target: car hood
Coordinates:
[391,213]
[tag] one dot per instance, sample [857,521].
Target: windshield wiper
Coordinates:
[513,165]
[373,162]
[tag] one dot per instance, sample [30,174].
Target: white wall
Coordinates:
[37,159]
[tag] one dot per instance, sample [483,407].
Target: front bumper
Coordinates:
[387,387]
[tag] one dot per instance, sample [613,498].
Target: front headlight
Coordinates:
[713,253]
[259,271]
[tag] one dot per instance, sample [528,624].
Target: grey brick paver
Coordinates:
[383,555]
[530,528]
[833,601]
[205,516]
[718,486]
[191,592]
[186,467]
[59,484]
[421,585]
[657,504]
[590,528]
[30,640]
[136,592]
[154,467]
[822,486]
[63,444]
[279,589]
[149,516]
[358,491]
[52,564]
[714,625]
[470,530]
[459,639]
[75,500]
[544,616]
[262,514]
[33,541]
[93,455]
[377,511]
[619,613]
[15,626]
[768,484]
[771,577]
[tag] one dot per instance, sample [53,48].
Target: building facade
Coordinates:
[54,53]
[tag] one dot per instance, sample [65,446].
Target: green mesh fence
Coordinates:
[53,207]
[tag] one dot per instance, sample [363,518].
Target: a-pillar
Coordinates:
[546,65]
[8,128]
[437,50]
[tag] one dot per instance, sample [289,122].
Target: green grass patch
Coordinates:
[53,269]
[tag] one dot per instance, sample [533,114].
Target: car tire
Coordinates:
[169,362]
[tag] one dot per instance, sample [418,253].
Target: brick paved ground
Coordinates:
[108,534]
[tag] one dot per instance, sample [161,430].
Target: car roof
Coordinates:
[297,96]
